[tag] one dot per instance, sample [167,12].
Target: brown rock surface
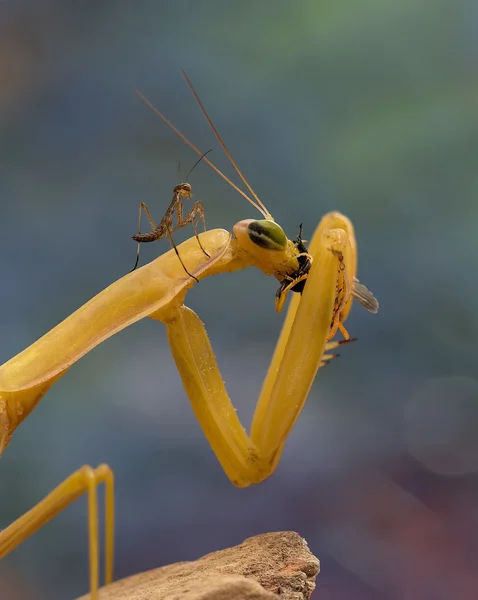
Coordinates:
[261,568]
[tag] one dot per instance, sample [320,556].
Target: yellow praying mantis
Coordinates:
[324,275]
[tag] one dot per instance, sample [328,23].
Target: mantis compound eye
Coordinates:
[263,233]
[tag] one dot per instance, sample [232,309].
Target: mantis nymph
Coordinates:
[324,274]
[166,228]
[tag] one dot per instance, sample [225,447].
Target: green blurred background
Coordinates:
[366,107]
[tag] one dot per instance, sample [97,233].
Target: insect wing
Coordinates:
[364,297]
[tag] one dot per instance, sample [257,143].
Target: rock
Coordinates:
[261,568]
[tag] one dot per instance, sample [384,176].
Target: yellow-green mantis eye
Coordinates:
[267,234]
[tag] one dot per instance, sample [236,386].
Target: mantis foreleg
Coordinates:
[299,352]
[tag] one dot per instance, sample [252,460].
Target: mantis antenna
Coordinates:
[197,162]
[258,205]
[265,212]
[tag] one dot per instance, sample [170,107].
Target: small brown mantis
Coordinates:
[324,273]
[165,227]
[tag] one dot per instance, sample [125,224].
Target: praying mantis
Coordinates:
[324,277]
[165,227]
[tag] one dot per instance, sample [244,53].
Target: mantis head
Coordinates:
[265,241]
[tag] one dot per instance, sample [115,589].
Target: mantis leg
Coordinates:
[304,336]
[196,211]
[142,206]
[85,480]
[298,355]
[202,380]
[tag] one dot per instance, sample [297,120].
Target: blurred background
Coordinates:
[369,108]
